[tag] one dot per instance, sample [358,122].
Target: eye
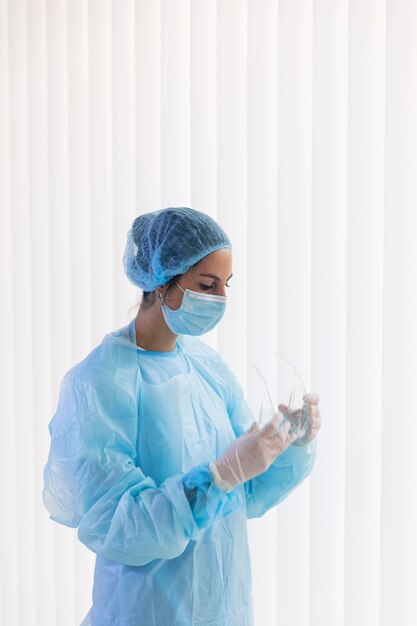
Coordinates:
[207,287]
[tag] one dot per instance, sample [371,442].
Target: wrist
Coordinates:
[218,480]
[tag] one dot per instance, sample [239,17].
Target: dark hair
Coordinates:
[149,297]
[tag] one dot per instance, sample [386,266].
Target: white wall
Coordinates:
[295,125]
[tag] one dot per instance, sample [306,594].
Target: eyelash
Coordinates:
[207,287]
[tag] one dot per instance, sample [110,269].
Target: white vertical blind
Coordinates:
[8,533]
[329,193]
[232,210]
[295,125]
[364,313]
[148,106]
[398,509]
[124,144]
[175,103]
[42,607]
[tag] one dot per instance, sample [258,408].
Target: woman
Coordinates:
[155,456]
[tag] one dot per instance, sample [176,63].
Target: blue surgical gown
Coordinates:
[131,440]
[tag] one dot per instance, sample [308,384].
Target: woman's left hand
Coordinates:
[312,400]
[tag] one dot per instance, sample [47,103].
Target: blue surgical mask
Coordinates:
[198,313]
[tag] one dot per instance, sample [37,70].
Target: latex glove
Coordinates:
[311,400]
[251,454]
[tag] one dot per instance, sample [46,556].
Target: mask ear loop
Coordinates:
[162,297]
[183,290]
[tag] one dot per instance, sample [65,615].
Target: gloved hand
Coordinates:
[251,454]
[311,401]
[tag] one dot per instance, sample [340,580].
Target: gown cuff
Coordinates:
[208,503]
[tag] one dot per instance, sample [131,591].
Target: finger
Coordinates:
[272,426]
[293,413]
[316,427]
[281,434]
[311,398]
[288,440]
[315,419]
[312,416]
[292,437]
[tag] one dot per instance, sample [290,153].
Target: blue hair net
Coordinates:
[164,243]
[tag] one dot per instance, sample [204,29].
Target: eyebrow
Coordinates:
[215,277]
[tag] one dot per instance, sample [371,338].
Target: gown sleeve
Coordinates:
[288,470]
[91,482]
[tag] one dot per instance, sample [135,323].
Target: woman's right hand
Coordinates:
[251,454]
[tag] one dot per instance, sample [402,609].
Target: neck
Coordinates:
[152,333]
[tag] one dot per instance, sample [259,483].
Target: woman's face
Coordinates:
[210,275]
